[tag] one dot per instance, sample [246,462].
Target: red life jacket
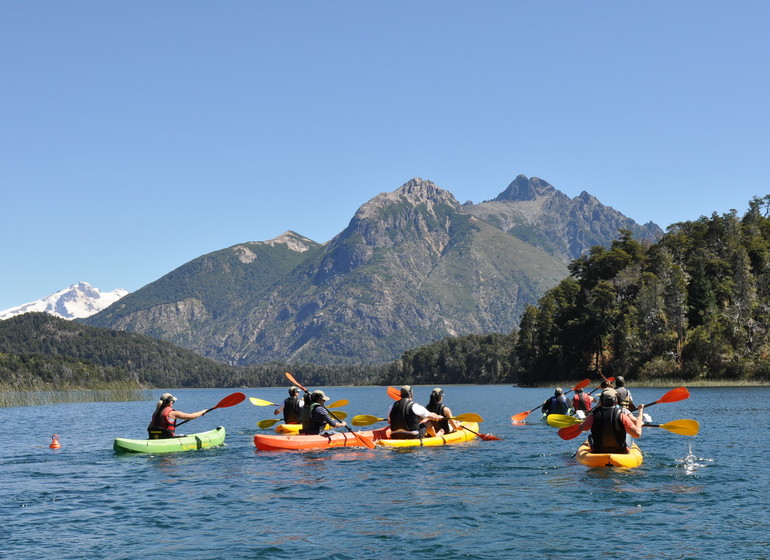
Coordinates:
[581,402]
[161,420]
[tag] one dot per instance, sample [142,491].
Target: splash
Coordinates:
[692,462]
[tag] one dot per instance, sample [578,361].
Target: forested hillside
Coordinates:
[693,306]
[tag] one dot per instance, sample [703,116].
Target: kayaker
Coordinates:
[164,419]
[409,419]
[582,401]
[315,416]
[611,425]
[625,400]
[557,404]
[291,407]
[437,406]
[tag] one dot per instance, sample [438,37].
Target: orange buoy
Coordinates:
[55,442]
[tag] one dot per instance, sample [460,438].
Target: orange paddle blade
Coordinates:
[520,417]
[290,377]
[674,395]
[582,384]
[394,393]
[570,432]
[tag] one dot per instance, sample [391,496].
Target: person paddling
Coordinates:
[164,419]
[437,406]
[557,404]
[625,400]
[291,407]
[315,416]
[408,419]
[582,401]
[611,425]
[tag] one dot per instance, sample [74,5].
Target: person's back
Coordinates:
[557,404]
[607,432]
[625,400]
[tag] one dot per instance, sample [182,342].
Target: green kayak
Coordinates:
[190,442]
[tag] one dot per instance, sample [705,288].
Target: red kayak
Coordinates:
[276,442]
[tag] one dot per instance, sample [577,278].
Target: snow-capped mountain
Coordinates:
[76,302]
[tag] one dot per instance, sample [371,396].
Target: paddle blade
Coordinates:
[489,437]
[570,432]
[337,404]
[365,440]
[366,420]
[268,423]
[230,400]
[674,395]
[261,402]
[582,384]
[339,414]
[290,377]
[562,420]
[394,393]
[520,417]
[468,417]
[681,427]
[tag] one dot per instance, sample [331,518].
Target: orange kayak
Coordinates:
[275,442]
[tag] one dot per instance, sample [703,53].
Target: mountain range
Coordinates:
[412,266]
[75,302]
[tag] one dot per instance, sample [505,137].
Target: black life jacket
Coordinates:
[402,417]
[292,410]
[438,408]
[608,435]
[623,399]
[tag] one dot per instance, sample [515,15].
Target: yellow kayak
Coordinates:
[458,436]
[625,460]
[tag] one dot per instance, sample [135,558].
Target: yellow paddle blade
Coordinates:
[268,423]
[336,404]
[366,419]
[468,417]
[562,420]
[681,427]
[340,414]
[261,402]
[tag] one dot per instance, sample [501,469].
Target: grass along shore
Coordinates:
[43,394]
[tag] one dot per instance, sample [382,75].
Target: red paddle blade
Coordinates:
[570,432]
[520,417]
[231,400]
[290,377]
[490,437]
[674,395]
[365,440]
[582,384]
[394,393]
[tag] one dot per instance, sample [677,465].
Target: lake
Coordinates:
[524,497]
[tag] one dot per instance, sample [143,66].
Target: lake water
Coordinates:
[524,497]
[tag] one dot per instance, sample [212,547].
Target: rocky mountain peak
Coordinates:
[523,188]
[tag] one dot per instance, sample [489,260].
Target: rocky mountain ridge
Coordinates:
[412,266]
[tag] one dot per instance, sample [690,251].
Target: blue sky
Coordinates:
[137,136]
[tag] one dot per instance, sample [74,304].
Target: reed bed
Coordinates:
[41,394]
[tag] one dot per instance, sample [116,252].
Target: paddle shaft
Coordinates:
[229,400]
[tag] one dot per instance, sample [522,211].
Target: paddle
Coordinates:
[341,414]
[394,393]
[607,379]
[485,437]
[521,416]
[368,419]
[682,427]
[366,441]
[229,400]
[674,395]
[261,402]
